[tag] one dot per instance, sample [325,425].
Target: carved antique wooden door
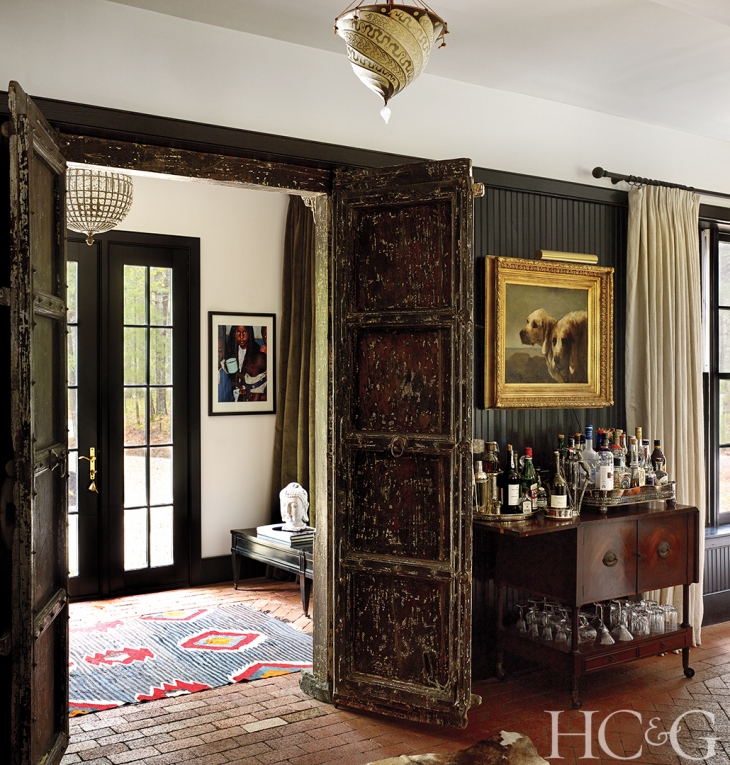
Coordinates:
[37,530]
[402,478]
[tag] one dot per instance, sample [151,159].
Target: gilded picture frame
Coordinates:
[548,335]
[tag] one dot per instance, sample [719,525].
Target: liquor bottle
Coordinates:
[624,450]
[529,477]
[561,450]
[480,489]
[658,460]
[571,469]
[649,474]
[511,495]
[659,463]
[637,471]
[620,474]
[604,472]
[590,456]
[542,495]
[525,500]
[490,465]
[559,489]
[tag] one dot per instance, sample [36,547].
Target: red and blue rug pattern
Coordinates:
[156,656]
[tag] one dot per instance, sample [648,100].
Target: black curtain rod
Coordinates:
[599,172]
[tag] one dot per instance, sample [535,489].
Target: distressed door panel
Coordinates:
[404,381]
[400,502]
[390,642]
[44,731]
[39,421]
[402,358]
[48,395]
[408,270]
[42,230]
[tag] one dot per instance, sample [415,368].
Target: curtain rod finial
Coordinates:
[598,172]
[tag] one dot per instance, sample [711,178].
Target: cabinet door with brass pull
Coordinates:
[609,560]
[662,544]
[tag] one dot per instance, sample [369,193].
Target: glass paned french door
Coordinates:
[73,419]
[129,528]
[148,420]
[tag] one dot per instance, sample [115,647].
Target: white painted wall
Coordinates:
[241,234]
[103,53]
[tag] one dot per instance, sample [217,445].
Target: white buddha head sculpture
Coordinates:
[294,507]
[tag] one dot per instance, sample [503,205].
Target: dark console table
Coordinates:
[245,543]
[596,558]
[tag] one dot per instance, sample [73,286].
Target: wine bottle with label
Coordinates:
[559,489]
[529,477]
[511,498]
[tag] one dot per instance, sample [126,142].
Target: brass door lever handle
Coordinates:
[91,459]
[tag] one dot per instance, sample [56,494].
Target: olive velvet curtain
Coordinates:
[294,437]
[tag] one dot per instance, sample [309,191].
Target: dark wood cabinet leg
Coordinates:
[688,671]
[501,598]
[575,693]
[236,561]
[305,586]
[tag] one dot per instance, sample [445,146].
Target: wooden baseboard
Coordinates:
[216,570]
[220,569]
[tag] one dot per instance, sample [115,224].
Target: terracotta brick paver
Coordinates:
[271,722]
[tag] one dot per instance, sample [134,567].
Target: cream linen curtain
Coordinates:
[664,348]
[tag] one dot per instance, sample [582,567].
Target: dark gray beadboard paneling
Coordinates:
[516,223]
[717,565]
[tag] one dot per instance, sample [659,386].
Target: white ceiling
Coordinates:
[664,62]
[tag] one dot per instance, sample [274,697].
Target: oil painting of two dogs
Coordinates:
[563,344]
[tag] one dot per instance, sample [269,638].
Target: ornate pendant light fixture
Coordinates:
[388,45]
[96,200]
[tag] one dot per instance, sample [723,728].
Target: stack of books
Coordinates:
[302,538]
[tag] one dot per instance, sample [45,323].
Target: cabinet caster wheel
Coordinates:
[689,672]
[501,673]
[577,704]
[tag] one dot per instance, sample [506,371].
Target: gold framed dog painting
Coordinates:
[549,335]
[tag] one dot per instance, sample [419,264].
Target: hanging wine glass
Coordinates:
[604,635]
[521,625]
[586,633]
[620,632]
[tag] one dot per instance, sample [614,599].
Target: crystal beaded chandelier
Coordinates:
[389,45]
[96,200]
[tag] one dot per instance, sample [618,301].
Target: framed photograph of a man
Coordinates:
[549,334]
[242,363]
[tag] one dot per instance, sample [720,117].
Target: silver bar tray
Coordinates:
[620,497]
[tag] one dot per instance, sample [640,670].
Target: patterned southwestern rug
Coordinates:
[174,652]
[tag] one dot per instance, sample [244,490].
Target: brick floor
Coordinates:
[271,722]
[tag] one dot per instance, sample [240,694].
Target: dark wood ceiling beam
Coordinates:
[194,164]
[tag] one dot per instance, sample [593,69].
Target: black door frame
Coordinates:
[184,253]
